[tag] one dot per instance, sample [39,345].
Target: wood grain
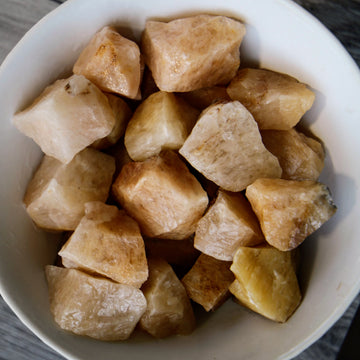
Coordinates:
[17,16]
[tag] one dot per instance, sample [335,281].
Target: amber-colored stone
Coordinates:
[266,281]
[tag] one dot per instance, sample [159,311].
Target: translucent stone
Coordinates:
[108,242]
[162,195]
[290,210]
[57,193]
[67,117]
[277,101]
[93,306]
[169,310]
[192,53]
[266,281]
[225,146]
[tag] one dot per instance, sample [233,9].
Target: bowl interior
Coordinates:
[282,37]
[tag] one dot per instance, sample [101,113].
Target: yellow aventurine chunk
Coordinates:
[107,242]
[266,281]
[93,306]
[169,310]
[57,193]
[162,121]
[192,53]
[162,195]
[277,101]
[208,281]
[225,146]
[112,62]
[228,224]
[300,157]
[67,117]
[289,210]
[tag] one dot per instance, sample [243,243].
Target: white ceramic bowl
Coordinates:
[280,36]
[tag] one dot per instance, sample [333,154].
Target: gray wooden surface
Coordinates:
[17,16]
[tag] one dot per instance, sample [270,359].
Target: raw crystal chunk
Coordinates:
[162,121]
[228,224]
[225,146]
[266,281]
[107,242]
[67,117]
[112,62]
[57,193]
[122,114]
[93,306]
[277,101]
[169,310]
[208,281]
[162,195]
[300,157]
[289,210]
[192,53]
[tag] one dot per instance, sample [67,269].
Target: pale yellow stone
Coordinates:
[266,281]
[162,195]
[107,242]
[169,311]
[277,101]
[228,224]
[225,146]
[162,121]
[192,53]
[208,281]
[300,157]
[112,62]
[93,306]
[57,193]
[67,117]
[290,210]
